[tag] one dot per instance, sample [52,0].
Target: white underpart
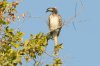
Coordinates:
[54,24]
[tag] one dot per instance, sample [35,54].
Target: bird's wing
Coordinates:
[60,21]
[60,24]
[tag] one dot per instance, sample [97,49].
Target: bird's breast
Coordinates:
[54,22]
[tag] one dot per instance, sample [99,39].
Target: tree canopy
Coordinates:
[12,46]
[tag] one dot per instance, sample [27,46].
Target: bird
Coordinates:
[54,24]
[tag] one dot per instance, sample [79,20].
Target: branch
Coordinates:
[76,14]
[48,54]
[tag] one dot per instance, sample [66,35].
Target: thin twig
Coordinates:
[49,54]
[76,15]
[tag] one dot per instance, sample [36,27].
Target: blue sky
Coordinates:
[81,47]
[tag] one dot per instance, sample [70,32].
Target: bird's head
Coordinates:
[53,10]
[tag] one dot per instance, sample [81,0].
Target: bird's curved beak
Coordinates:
[47,10]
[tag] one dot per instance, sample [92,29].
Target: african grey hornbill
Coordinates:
[54,23]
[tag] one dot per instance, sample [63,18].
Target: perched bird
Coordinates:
[54,23]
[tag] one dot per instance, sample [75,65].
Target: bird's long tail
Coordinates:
[55,38]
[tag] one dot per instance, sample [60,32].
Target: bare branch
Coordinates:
[77,13]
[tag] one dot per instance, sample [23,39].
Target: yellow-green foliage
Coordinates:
[12,45]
